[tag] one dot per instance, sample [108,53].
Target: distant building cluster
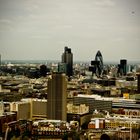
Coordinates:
[70,100]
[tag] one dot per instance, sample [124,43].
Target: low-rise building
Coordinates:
[122,122]
[77,109]
[22,109]
[50,129]
[6,118]
[96,123]
[30,108]
[94,102]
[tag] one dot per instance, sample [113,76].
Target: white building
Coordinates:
[77,109]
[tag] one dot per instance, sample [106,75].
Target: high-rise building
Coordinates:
[0,59]
[97,64]
[67,57]
[123,67]
[94,67]
[57,97]
[138,76]
[62,67]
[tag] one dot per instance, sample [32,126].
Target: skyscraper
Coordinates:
[123,66]
[97,64]
[138,81]
[62,67]
[99,58]
[0,59]
[67,57]
[57,97]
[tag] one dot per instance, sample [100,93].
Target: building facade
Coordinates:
[138,82]
[122,69]
[93,103]
[99,59]
[57,97]
[62,67]
[22,109]
[67,57]
[97,65]
[35,103]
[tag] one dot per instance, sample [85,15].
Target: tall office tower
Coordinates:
[123,66]
[0,59]
[138,76]
[57,97]
[99,58]
[62,67]
[67,57]
[97,65]
[94,67]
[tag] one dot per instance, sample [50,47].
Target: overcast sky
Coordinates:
[40,29]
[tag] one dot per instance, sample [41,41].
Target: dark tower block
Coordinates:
[67,57]
[138,76]
[0,59]
[123,66]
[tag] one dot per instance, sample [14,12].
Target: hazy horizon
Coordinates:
[39,30]
[57,61]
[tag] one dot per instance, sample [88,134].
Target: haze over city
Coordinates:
[39,30]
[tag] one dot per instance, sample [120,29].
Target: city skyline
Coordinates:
[39,30]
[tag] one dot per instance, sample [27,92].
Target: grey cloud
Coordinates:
[45,26]
[105,3]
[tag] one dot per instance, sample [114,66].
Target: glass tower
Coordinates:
[67,57]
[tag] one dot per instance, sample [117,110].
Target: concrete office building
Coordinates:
[57,97]
[22,109]
[38,108]
[67,57]
[94,102]
[125,103]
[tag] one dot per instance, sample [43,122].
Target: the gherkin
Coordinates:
[99,59]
